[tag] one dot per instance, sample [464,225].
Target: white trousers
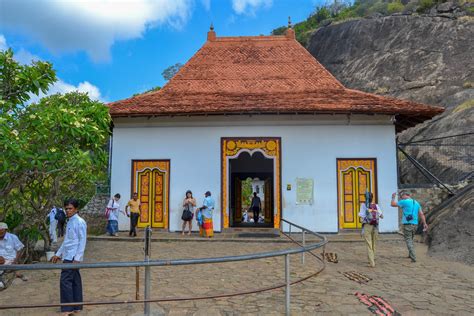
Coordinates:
[52,231]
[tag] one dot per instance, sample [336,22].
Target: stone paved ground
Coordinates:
[428,287]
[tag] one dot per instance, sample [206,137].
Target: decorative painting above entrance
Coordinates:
[150,179]
[354,177]
[231,147]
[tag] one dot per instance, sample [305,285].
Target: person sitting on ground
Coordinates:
[10,251]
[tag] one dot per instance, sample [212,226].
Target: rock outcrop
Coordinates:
[424,58]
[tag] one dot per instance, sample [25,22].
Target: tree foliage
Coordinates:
[169,72]
[49,150]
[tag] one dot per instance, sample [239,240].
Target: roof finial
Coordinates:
[289,22]
[290,33]
[211,35]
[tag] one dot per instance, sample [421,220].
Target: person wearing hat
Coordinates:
[10,250]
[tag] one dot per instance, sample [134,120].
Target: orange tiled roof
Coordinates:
[262,74]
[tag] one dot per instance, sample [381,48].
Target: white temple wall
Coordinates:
[309,150]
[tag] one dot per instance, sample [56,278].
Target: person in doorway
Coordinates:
[256,206]
[370,216]
[207,228]
[411,212]
[53,224]
[61,221]
[72,251]
[134,205]
[112,214]
[188,212]
[10,252]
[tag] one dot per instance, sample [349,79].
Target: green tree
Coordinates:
[169,72]
[49,150]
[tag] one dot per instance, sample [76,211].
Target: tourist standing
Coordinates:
[370,214]
[256,206]
[53,224]
[10,251]
[188,212]
[112,214]
[207,228]
[411,213]
[72,251]
[134,205]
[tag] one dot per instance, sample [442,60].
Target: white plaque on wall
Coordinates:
[304,191]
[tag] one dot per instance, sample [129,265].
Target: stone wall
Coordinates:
[428,196]
[93,213]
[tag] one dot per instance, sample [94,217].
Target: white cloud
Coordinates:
[3,43]
[63,87]
[250,6]
[91,25]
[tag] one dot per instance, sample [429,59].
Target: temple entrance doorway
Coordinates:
[251,173]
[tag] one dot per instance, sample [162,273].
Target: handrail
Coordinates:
[176,262]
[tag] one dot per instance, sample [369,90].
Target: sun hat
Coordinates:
[3,225]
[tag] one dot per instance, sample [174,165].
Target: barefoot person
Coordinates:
[72,251]
[411,212]
[188,212]
[370,225]
[134,205]
[207,227]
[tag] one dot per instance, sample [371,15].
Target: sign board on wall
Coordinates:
[304,191]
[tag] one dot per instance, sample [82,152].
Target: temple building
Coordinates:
[259,110]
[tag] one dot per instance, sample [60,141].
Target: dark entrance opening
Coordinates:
[249,173]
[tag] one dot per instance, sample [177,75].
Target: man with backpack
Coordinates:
[411,212]
[60,217]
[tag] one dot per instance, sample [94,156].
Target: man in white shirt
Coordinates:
[53,223]
[72,251]
[10,250]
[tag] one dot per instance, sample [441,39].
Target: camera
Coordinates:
[409,217]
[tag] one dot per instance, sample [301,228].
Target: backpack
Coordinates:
[109,209]
[60,216]
[372,215]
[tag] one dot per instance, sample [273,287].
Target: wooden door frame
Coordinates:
[337,188]
[278,212]
[167,223]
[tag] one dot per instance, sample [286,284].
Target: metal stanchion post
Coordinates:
[137,283]
[287,281]
[304,244]
[147,270]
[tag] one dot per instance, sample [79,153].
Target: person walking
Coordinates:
[207,228]
[188,212]
[370,214]
[72,251]
[134,205]
[53,225]
[112,214]
[256,206]
[61,221]
[411,212]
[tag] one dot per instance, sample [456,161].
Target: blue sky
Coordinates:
[115,48]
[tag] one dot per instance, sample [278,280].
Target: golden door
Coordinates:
[151,181]
[355,177]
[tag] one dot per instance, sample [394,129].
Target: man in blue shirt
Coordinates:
[411,213]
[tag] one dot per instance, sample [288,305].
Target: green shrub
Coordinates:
[394,7]
[425,5]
